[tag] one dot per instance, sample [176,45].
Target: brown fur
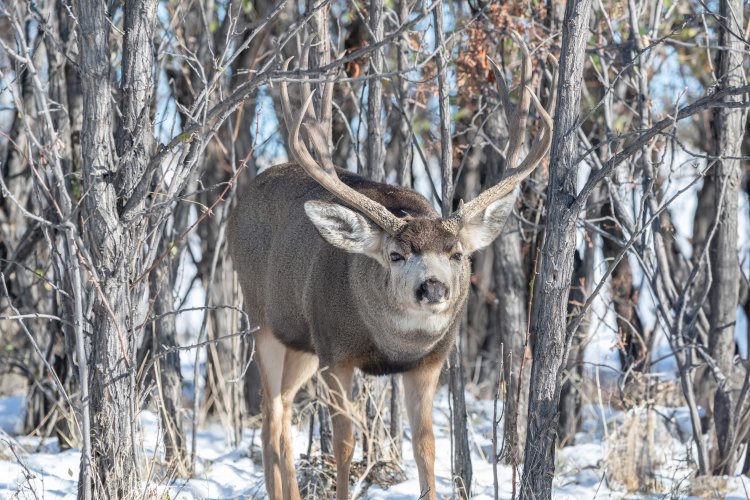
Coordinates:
[427,235]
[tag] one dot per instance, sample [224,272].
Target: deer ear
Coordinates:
[485,227]
[346,229]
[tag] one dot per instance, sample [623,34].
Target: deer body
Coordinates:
[341,273]
[341,311]
[319,305]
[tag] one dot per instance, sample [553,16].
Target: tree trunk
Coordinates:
[729,127]
[512,292]
[403,136]
[556,270]
[110,243]
[167,368]
[570,394]
[113,467]
[633,346]
[46,407]
[462,470]
[374,166]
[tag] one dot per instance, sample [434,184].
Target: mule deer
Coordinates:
[343,273]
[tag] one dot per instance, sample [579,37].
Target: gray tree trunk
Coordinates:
[169,377]
[113,460]
[729,127]
[462,469]
[45,405]
[571,407]
[374,166]
[633,346]
[403,139]
[512,292]
[111,243]
[553,282]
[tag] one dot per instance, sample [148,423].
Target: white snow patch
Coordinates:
[37,468]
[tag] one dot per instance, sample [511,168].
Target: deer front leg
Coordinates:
[419,391]
[298,368]
[270,355]
[339,382]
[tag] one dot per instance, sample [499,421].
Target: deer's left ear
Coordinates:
[485,227]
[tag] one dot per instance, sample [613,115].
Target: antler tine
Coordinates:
[305,87]
[508,107]
[318,134]
[506,186]
[540,148]
[552,101]
[326,106]
[313,124]
[285,105]
[521,115]
[325,173]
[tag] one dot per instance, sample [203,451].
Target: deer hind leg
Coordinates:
[419,391]
[270,354]
[298,368]
[339,382]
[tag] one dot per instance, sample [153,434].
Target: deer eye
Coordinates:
[457,256]
[396,257]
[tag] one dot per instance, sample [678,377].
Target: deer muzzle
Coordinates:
[432,291]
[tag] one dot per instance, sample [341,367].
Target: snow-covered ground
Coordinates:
[30,468]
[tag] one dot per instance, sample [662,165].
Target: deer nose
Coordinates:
[432,291]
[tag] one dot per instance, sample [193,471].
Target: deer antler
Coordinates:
[325,172]
[520,114]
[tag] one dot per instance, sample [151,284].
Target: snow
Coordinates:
[32,468]
[11,414]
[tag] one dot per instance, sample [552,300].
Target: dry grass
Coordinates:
[707,487]
[316,475]
[636,450]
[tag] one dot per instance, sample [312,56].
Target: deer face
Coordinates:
[426,263]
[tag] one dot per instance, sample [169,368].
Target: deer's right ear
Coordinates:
[346,229]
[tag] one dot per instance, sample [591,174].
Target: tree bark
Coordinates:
[113,460]
[553,282]
[168,375]
[512,292]
[729,127]
[111,243]
[403,135]
[633,347]
[462,469]
[511,289]
[571,407]
[374,166]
